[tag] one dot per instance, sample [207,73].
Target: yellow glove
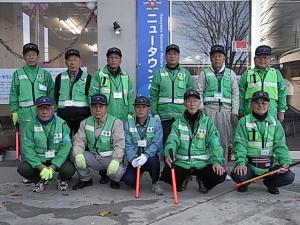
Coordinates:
[129,116]
[80,161]
[112,167]
[47,173]
[15,118]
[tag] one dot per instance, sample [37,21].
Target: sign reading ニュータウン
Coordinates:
[152,36]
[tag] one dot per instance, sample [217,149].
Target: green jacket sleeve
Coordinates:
[282,93]
[173,140]
[64,149]
[190,81]
[28,145]
[95,85]
[280,148]
[14,93]
[154,92]
[131,97]
[240,143]
[213,141]
[242,89]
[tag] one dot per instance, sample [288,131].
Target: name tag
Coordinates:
[218,95]
[118,95]
[50,154]
[68,103]
[265,152]
[142,143]
[42,87]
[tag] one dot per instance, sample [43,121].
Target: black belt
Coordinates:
[261,162]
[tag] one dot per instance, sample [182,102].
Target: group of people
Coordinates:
[84,122]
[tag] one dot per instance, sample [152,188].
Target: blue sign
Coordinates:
[152,36]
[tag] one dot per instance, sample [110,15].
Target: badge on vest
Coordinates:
[181,76]
[42,87]
[40,76]
[201,134]
[218,95]
[142,143]
[50,154]
[118,95]
[265,152]
[106,133]
[150,129]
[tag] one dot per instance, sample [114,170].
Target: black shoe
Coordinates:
[82,184]
[202,187]
[114,184]
[242,188]
[104,178]
[273,190]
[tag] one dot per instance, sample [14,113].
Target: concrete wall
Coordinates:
[124,12]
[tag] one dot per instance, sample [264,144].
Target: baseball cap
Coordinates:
[44,100]
[191,93]
[172,47]
[263,50]
[115,51]
[260,95]
[72,52]
[99,99]
[217,48]
[30,47]
[142,100]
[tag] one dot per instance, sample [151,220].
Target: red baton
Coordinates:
[17,142]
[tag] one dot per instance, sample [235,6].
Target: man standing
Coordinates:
[263,78]
[143,144]
[115,84]
[219,92]
[194,143]
[99,144]
[28,83]
[71,91]
[167,89]
[46,147]
[259,147]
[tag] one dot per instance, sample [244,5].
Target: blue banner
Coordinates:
[152,39]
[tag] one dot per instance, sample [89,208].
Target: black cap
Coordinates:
[260,95]
[142,100]
[263,50]
[99,99]
[114,50]
[191,93]
[30,47]
[72,52]
[217,48]
[172,47]
[44,100]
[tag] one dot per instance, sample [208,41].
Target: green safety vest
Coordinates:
[78,99]
[105,85]
[268,84]
[149,132]
[258,144]
[44,143]
[102,145]
[216,91]
[29,92]
[195,144]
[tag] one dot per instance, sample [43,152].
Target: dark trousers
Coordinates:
[167,127]
[275,180]
[152,166]
[74,126]
[209,178]
[66,171]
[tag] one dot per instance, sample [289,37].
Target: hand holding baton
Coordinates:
[174,186]
[17,140]
[265,175]
[138,177]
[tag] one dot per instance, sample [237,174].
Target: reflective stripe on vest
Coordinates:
[79,99]
[105,85]
[185,157]
[169,100]
[269,84]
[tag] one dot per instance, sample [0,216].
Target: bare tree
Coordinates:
[216,22]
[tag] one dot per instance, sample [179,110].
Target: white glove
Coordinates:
[141,160]
[134,163]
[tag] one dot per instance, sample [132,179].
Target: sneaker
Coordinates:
[242,188]
[62,185]
[40,186]
[184,183]
[104,178]
[228,177]
[25,181]
[114,184]
[202,187]
[82,184]
[273,190]
[157,188]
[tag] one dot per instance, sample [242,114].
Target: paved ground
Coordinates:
[223,205]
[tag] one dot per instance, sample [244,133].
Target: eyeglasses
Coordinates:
[261,103]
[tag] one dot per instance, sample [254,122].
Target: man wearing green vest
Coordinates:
[46,147]
[263,78]
[195,146]
[219,93]
[99,144]
[28,83]
[71,91]
[167,89]
[115,84]
[259,147]
[143,144]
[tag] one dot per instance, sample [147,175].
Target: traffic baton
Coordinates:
[174,185]
[138,177]
[265,175]
[17,141]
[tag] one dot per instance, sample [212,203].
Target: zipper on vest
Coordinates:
[190,143]
[172,91]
